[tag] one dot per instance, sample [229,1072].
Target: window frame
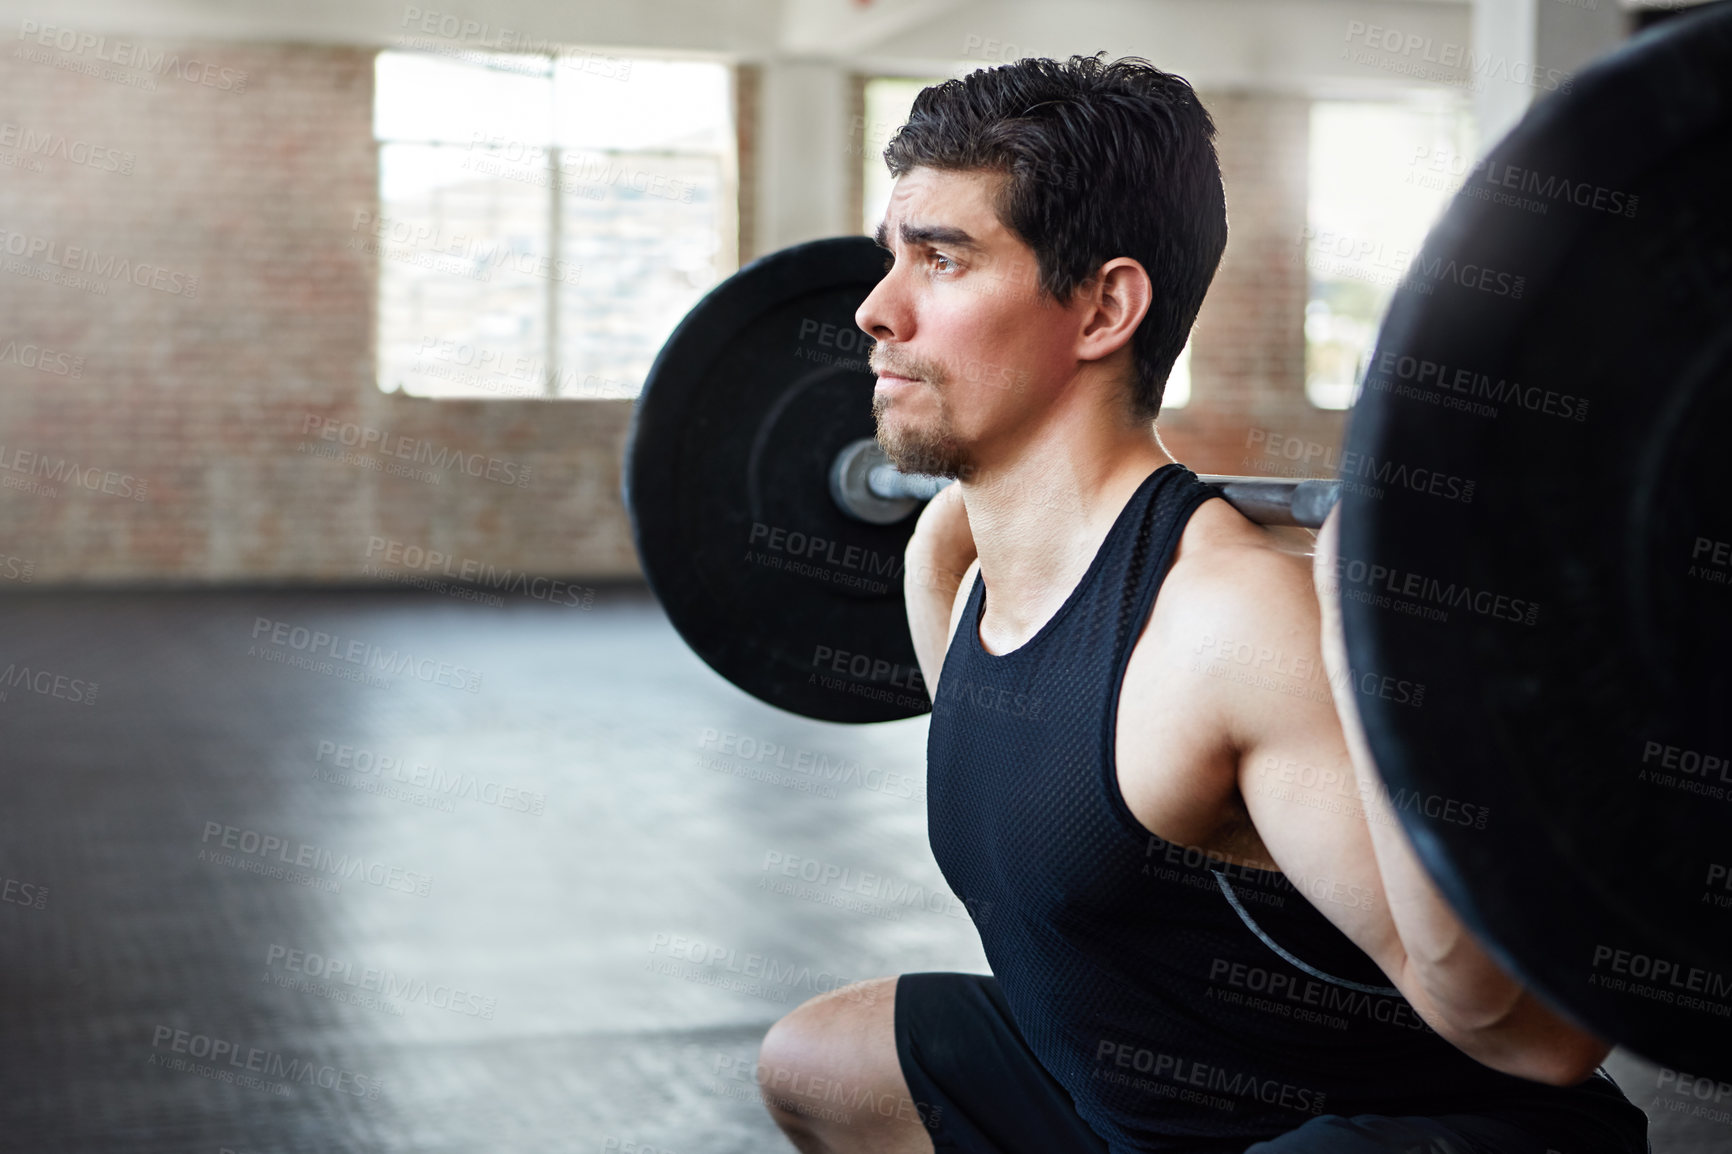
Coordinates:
[727,216]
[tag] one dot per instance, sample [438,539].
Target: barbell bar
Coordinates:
[866,486]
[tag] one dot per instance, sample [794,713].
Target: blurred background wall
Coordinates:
[285,286]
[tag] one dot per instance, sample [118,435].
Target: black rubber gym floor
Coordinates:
[318,872]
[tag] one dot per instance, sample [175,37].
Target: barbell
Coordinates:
[866,486]
[1535,569]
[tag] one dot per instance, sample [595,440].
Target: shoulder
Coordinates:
[1221,660]
[1237,624]
[1229,574]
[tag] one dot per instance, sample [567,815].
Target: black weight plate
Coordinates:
[726,480]
[1537,556]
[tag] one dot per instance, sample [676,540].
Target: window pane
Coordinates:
[463,278]
[458,99]
[645,230]
[1373,198]
[643,105]
[545,220]
[1178,392]
[888,101]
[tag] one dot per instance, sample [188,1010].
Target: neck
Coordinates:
[1040,511]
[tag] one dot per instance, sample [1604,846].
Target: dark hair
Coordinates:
[1104,160]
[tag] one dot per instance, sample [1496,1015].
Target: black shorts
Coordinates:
[981,1090]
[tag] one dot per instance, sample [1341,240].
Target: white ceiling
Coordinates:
[748,28]
[1280,44]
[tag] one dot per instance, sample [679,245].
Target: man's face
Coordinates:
[968,352]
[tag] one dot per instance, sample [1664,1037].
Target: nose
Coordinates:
[884,314]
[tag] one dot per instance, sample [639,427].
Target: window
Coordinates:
[544,219]
[1178,391]
[888,101]
[1380,174]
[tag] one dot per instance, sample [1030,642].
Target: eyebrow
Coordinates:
[927,234]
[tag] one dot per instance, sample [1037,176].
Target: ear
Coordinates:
[1114,304]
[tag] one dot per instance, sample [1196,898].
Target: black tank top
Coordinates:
[1183,1003]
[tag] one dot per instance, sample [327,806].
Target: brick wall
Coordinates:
[1248,349]
[192,397]
[200,399]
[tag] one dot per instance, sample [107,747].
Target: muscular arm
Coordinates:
[939,564]
[1321,812]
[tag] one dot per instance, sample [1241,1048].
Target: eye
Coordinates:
[947,265]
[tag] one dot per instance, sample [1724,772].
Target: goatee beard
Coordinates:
[931,452]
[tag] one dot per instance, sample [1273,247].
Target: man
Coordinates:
[1108,790]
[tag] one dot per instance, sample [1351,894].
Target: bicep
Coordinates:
[1294,773]
[1303,800]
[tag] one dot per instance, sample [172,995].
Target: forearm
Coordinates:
[1454,984]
